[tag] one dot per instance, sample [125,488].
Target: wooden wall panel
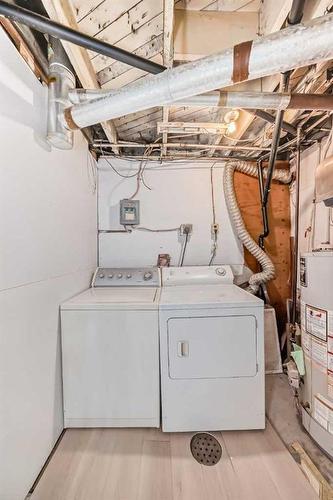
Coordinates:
[278,242]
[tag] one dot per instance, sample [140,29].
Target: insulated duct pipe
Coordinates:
[58,30]
[268,270]
[60,81]
[295,46]
[244,100]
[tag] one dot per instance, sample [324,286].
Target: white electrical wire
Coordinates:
[140,228]
[214,246]
[182,251]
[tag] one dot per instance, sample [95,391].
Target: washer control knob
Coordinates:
[119,276]
[147,276]
[110,276]
[101,275]
[129,276]
[221,271]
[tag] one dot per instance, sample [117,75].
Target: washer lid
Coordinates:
[114,298]
[206,296]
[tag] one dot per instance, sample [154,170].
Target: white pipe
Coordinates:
[245,100]
[61,79]
[184,145]
[221,99]
[295,46]
[268,269]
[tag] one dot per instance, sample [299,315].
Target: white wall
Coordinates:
[180,193]
[314,216]
[47,254]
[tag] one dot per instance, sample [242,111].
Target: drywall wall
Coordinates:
[179,192]
[315,223]
[47,254]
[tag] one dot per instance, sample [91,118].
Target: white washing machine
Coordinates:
[110,351]
[211,352]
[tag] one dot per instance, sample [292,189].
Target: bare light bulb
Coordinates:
[231,127]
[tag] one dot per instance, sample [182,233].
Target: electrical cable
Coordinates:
[214,246]
[255,139]
[140,228]
[183,250]
[140,179]
[130,229]
[116,171]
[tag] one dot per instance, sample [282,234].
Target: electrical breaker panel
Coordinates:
[129,212]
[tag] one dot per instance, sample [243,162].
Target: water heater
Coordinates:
[316,284]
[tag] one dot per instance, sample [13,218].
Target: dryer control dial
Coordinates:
[221,271]
[147,276]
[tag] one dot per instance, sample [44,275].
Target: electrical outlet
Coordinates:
[215,228]
[186,229]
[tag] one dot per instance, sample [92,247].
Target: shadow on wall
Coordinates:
[30,108]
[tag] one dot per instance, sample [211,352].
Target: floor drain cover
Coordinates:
[206,449]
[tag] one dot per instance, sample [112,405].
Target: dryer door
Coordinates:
[212,347]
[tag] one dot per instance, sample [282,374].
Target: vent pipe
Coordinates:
[295,46]
[60,81]
[222,99]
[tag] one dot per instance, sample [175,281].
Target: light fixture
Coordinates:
[231,116]
[231,127]
[191,127]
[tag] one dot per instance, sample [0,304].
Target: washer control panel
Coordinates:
[126,276]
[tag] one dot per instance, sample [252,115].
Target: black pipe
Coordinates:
[264,215]
[58,30]
[273,154]
[295,16]
[260,113]
[296,12]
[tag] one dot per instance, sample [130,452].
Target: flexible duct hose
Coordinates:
[280,175]
[268,269]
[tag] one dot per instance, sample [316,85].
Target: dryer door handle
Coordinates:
[183,348]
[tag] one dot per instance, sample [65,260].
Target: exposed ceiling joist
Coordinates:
[201,33]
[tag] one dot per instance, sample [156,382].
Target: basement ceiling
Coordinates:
[172,33]
[138,26]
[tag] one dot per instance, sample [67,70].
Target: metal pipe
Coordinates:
[273,155]
[296,12]
[184,156]
[295,17]
[293,141]
[60,80]
[244,100]
[295,46]
[296,241]
[265,223]
[183,145]
[58,30]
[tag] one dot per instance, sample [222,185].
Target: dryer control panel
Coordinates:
[197,275]
[126,276]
